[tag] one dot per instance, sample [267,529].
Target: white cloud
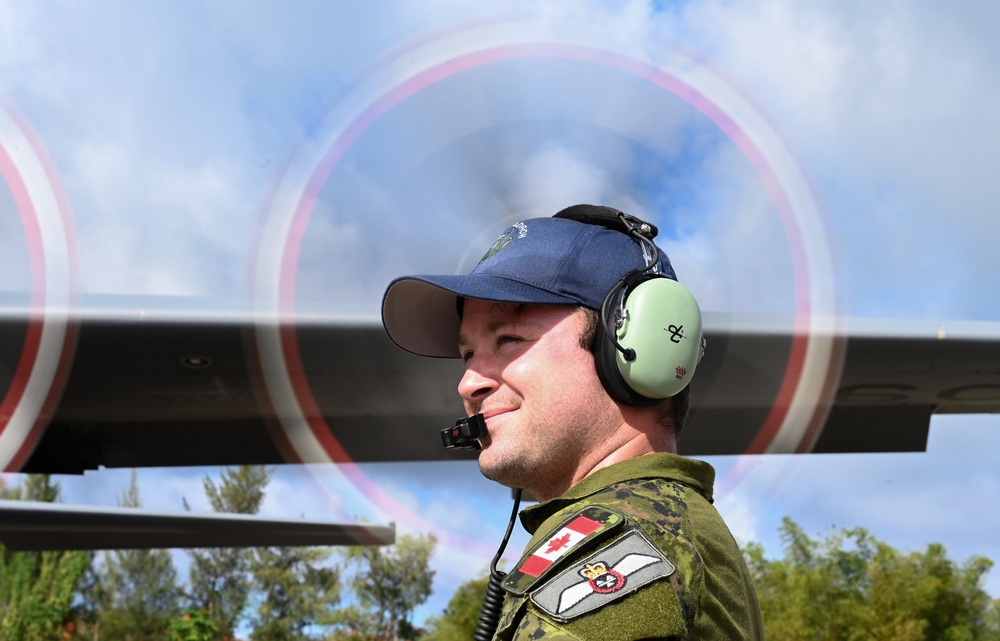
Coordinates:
[553,178]
[893,107]
[737,258]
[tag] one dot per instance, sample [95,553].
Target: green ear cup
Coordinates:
[663,326]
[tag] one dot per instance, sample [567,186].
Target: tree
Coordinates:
[137,589]
[37,588]
[852,586]
[219,578]
[458,623]
[297,592]
[389,584]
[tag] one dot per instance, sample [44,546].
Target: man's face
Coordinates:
[548,418]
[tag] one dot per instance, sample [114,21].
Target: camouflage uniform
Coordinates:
[634,551]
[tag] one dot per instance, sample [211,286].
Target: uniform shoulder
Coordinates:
[667,510]
[639,562]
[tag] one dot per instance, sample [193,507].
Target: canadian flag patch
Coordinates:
[589,524]
[560,542]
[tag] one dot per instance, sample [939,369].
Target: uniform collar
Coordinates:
[697,475]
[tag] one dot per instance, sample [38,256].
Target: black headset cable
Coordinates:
[489,616]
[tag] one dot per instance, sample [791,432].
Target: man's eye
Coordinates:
[466,357]
[503,340]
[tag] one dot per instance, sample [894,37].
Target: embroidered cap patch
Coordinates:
[607,575]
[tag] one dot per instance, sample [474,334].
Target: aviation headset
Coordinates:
[649,337]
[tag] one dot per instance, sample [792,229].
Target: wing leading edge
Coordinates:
[27,525]
[163,388]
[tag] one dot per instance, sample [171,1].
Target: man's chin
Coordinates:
[490,469]
[507,473]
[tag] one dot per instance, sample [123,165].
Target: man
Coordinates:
[625,541]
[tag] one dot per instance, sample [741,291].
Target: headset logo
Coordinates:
[676,333]
[681,371]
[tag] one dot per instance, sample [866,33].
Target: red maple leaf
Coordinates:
[557,543]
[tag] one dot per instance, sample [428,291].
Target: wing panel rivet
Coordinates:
[196,361]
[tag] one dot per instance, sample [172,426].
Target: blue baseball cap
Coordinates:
[546,261]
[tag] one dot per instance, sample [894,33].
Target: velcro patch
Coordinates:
[587,525]
[618,569]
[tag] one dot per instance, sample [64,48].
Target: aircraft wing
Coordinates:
[149,385]
[28,525]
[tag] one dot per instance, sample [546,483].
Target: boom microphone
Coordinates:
[466,433]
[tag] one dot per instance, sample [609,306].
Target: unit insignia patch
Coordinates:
[607,575]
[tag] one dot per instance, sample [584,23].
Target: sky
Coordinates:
[182,136]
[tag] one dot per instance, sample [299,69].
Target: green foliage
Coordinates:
[389,584]
[852,586]
[37,588]
[36,591]
[241,490]
[297,592]
[137,593]
[39,487]
[219,579]
[458,623]
[193,625]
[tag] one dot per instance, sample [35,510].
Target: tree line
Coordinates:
[847,585]
[278,594]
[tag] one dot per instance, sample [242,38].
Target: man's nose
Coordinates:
[477,383]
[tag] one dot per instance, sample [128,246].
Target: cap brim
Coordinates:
[420,313]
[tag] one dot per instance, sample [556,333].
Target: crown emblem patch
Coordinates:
[602,579]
